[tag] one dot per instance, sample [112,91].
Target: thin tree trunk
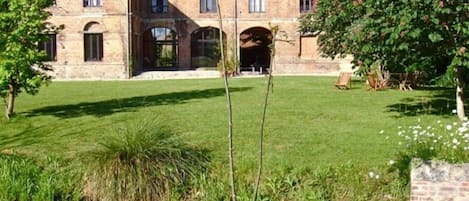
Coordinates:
[460,94]
[10,102]
[266,98]
[228,103]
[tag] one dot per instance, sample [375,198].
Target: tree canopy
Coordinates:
[22,68]
[404,36]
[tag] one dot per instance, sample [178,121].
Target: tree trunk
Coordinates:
[10,103]
[266,98]
[460,94]
[229,108]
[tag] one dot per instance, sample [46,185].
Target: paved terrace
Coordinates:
[197,74]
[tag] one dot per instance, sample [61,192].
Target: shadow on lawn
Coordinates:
[26,137]
[108,107]
[441,102]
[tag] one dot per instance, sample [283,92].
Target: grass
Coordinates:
[142,162]
[309,123]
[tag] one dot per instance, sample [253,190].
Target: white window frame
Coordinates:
[157,8]
[306,5]
[256,6]
[208,6]
[92,3]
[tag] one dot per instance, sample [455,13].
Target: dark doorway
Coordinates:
[160,47]
[254,49]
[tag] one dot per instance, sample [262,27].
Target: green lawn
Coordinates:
[309,122]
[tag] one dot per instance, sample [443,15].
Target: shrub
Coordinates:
[141,162]
[443,141]
[345,182]
[22,179]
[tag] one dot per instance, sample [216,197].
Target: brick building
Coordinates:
[116,39]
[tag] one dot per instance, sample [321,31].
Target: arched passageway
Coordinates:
[254,49]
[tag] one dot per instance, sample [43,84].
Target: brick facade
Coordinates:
[128,49]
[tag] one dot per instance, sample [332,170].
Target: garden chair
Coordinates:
[375,82]
[344,80]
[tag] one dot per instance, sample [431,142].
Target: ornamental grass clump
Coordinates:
[142,162]
[441,141]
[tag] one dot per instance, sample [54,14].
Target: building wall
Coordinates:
[185,17]
[112,20]
[299,56]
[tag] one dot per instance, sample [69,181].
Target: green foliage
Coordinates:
[141,162]
[331,21]
[231,64]
[23,180]
[343,182]
[22,25]
[448,142]
[413,35]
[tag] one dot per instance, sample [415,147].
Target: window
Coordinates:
[208,6]
[205,51]
[49,47]
[256,6]
[160,48]
[306,5]
[92,3]
[93,46]
[159,6]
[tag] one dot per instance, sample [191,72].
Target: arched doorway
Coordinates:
[160,48]
[254,49]
[205,47]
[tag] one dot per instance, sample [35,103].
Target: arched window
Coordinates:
[93,42]
[205,51]
[160,47]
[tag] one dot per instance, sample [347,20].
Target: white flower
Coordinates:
[464,119]
[454,111]
[448,127]
[465,124]
[381,132]
[462,129]
[391,162]
[371,174]
[455,141]
[377,176]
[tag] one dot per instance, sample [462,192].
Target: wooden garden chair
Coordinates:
[375,82]
[344,80]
